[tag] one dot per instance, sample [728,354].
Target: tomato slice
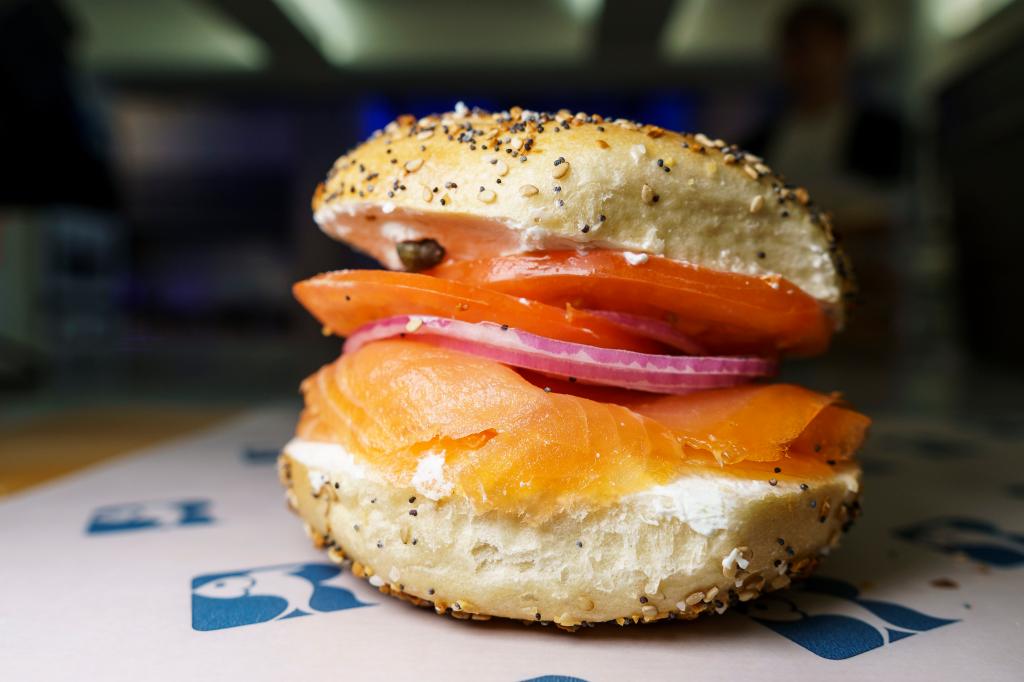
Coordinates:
[726,313]
[347,299]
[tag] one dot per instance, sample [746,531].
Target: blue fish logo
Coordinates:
[260,456]
[260,595]
[830,619]
[981,540]
[133,516]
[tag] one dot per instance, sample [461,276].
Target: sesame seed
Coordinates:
[528,190]
[501,167]
[813,504]
[560,203]
[413,324]
[801,195]
[425,135]
[430,591]
[450,185]
[547,389]
[504,327]
[749,170]
[579,543]
[780,541]
[602,144]
[601,218]
[643,600]
[412,499]
[778,470]
[773,481]
[661,162]
[585,229]
[647,194]
[427,194]
[413,512]
[487,196]
[804,486]
[560,170]
[761,254]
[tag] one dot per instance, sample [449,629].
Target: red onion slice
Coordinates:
[588,364]
[652,329]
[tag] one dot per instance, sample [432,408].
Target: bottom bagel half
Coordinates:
[628,562]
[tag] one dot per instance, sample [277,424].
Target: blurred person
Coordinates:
[848,152]
[56,187]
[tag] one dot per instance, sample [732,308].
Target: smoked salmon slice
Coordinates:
[508,444]
[726,313]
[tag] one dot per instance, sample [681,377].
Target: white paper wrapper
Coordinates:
[182,563]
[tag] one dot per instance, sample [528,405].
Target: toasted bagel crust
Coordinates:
[518,180]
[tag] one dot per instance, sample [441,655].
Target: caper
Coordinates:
[419,254]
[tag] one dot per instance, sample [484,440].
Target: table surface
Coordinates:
[156,545]
[48,446]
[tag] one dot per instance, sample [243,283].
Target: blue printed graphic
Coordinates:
[830,619]
[132,516]
[260,456]
[980,540]
[258,595]
[555,678]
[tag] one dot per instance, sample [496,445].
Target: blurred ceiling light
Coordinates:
[956,18]
[584,10]
[330,25]
[164,36]
[411,33]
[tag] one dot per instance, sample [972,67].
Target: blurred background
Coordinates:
[158,159]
